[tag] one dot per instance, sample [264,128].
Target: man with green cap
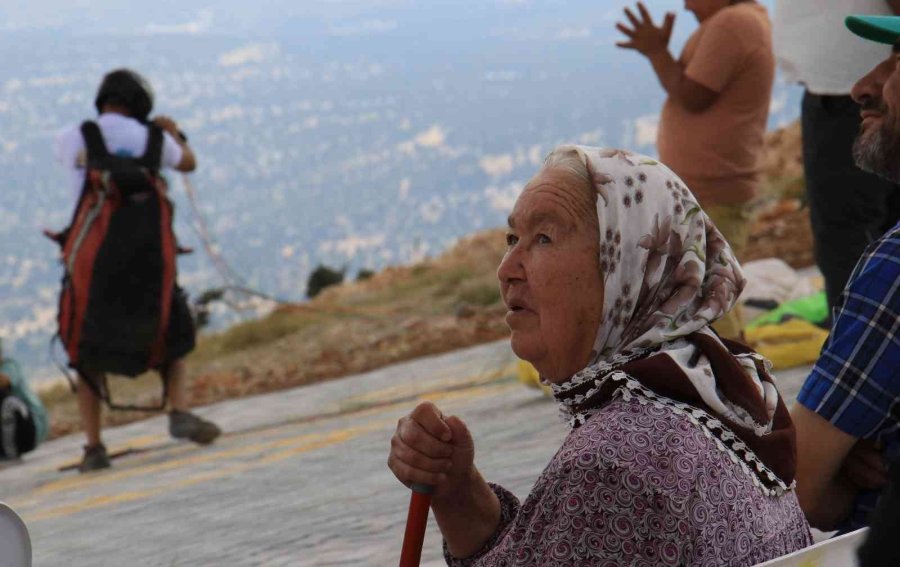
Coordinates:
[814,48]
[848,413]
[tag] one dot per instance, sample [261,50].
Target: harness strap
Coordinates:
[152,158]
[96,147]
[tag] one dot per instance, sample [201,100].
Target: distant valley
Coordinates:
[354,134]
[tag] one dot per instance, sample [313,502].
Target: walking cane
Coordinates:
[416,521]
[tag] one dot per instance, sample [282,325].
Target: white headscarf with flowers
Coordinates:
[667,270]
[668,273]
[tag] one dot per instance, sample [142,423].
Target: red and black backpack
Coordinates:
[119,256]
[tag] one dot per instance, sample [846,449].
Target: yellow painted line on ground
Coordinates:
[77,482]
[143,449]
[147,441]
[284,449]
[142,442]
[469,393]
[89,503]
[334,438]
[410,388]
[92,503]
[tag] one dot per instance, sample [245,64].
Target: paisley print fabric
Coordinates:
[640,485]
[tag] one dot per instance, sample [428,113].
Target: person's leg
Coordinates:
[180,340]
[848,207]
[89,408]
[733,221]
[182,423]
[95,456]
[174,374]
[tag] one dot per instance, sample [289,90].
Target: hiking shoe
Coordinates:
[185,425]
[95,458]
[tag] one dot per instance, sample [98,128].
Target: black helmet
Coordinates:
[126,88]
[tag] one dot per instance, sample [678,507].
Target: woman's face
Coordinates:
[550,276]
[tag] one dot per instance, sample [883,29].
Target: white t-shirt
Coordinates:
[814,47]
[123,136]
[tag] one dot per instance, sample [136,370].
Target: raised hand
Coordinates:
[167,124]
[643,35]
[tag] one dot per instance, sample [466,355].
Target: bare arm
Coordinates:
[429,448]
[468,517]
[188,161]
[690,94]
[825,495]
[653,43]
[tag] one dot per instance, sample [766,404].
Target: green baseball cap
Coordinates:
[883,29]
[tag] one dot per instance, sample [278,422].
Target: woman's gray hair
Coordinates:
[571,159]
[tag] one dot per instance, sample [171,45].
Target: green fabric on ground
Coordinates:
[813,308]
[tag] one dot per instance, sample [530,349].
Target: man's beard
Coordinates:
[878,150]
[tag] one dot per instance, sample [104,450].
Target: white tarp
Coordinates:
[834,552]
[773,279]
[15,543]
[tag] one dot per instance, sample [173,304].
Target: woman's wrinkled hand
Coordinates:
[430,448]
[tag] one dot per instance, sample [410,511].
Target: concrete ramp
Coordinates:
[298,478]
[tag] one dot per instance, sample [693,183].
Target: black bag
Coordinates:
[119,257]
[18,434]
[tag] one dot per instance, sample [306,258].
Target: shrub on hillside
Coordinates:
[364,274]
[480,293]
[322,277]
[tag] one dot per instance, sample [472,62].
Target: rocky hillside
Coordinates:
[782,227]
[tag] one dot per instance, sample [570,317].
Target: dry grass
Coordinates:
[442,304]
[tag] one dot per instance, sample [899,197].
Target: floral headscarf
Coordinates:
[669,273]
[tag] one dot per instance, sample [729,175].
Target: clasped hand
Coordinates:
[431,448]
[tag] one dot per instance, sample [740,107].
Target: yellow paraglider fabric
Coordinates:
[792,343]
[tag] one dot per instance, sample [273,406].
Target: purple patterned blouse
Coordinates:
[639,484]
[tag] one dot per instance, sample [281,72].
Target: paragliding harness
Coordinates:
[119,256]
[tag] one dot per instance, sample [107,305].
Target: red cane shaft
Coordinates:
[416,521]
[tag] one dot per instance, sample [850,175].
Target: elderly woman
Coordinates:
[681,451]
